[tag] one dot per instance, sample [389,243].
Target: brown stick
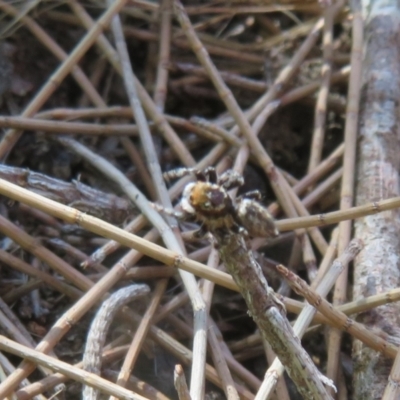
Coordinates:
[338,318]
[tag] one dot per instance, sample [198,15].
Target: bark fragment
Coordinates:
[377,265]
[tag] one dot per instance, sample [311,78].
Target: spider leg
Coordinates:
[237,226]
[230,179]
[178,173]
[201,232]
[253,195]
[208,174]
[212,174]
[183,216]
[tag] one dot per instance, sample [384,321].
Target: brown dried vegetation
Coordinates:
[260,87]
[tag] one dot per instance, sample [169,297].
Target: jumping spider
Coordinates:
[207,201]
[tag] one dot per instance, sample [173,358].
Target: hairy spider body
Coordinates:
[208,202]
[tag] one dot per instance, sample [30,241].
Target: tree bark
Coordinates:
[377,265]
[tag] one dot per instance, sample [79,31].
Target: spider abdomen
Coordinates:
[256,219]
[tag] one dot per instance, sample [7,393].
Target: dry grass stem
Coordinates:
[131,85]
[336,317]
[180,383]
[59,127]
[337,216]
[322,97]
[272,323]
[26,268]
[97,225]
[68,370]
[348,179]
[54,81]
[151,109]
[140,335]
[33,246]
[216,92]
[166,256]
[226,96]
[52,45]
[160,90]
[326,281]
[277,181]
[392,390]
[215,339]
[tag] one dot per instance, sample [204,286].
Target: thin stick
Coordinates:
[215,339]
[337,216]
[328,259]
[253,9]
[6,367]
[136,158]
[278,183]
[68,370]
[217,130]
[60,127]
[161,84]
[351,308]
[276,369]
[62,326]
[101,253]
[197,385]
[30,244]
[151,109]
[239,55]
[323,188]
[392,390]
[339,319]
[325,166]
[322,97]
[236,112]
[14,329]
[229,77]
[145,135]
[53,47]
[56,284]
[140,335]
[281,389]
[12,136]
[114,351]
[269,314]
[180,383]
[166,256]
[21,291]
[314,233]
[349,171]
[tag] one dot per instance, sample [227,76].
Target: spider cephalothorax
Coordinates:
[207,201]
